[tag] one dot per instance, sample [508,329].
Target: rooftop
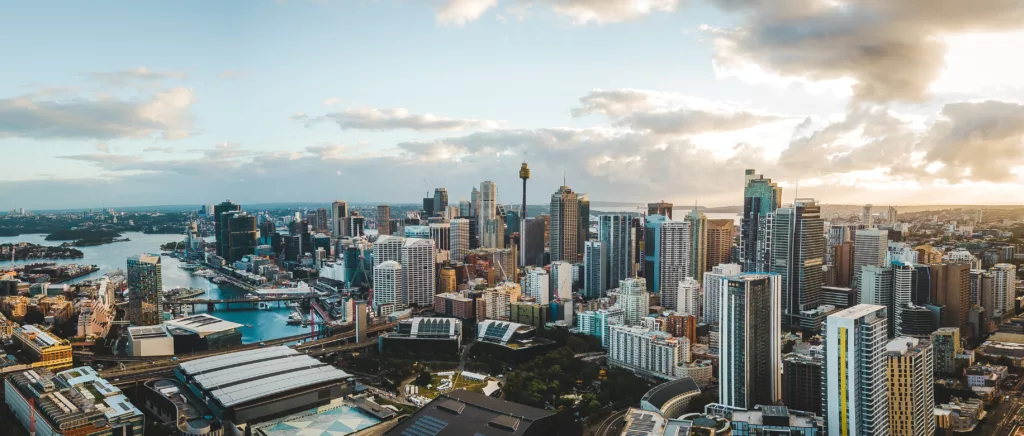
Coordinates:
[463,412]
[147,332]
[857,311]
[661,394]
[246,376]
[202,324]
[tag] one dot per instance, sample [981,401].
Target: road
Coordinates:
[612,425]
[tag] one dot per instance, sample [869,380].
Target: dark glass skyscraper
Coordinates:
[797,256]
[761,198]
[220,227]
[440,200]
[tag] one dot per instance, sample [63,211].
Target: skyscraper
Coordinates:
[760,199]
[459,239]
[911,387]
[715,283]
[474,199]
[688,301]
[1004,279]
[561,279]
[869,248]
[698,243]
[878,290]
[538,283]
[388,248]
[355,225]
[440,233]
[494,233]
[524,174]
[486,211]
[465,208]
[797,251]
[856,387]
[633,300]
[219,227]
[660,208]
[719,243]
[750,335]
[242,235]
[145,289]
[666,256]
[565,219]
[339,213]
[383,219]
[583,210]
[388,293]
[534,241]
[952,282]
[418,270]
[866,217]
[614,233]
[594,267]
[440,200]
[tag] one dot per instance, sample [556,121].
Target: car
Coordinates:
[263,344]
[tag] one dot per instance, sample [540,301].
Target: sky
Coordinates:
[108,104]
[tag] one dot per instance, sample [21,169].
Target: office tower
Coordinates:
[383,219]
[388,248]
[561,279]
[893,215]
[866,217]
[465,208]
[688,301]
[474,199]
[267,228]
[698,243]
[842,262]
[633,299]
[534,241]
[945,346]
[538,284]
[487,210]
[952,284]
[878,290]
[983,293]
[660,208]
[459,239]
[1004,278]
[440,233]
[388,293]
[598,322]
[750,347]
[715,283]
[594,270]
[354,225]
[797,251]
[339,213]
[446,281]
[911,389]
[565,220]
[801,381]
[145,289]
[418,271]
[614,233]
[856,390]
[220,228]
[320,221]
[647,351]
[493,233]
[840,233]
[760,199]
[440,200]
[583,210]
[512,223]
[524,174]
[868,249]
[242,235]
[719,242]
[666,256]
[637,234]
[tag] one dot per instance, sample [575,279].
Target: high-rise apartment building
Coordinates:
[911,392]
[797,256]
[698,243]
[666,256]
[761,197]
[633,299]
[220,229]
[594,267]
[866,217]
[660,208]
[614,232]
[388,290]
[459,239]
[383,219]
[945,346]
[486,210]
[646,351]
[877,289]
[715,283]
[688,302]
[583,227]
[750,350]
[493,233]
[388,248]
[145,289]
[418,270]
[561,279]
[339,215]
[869,248]
[856,387]
[565,220]
[538,285]
[720,242]
[802,384]
[1004,285]
[598,322]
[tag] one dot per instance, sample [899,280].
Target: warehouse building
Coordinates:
[259,385]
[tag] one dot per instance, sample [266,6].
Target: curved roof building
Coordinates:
[670,398]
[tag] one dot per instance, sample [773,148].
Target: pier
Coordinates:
[239,303]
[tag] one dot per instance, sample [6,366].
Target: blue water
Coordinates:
[265,324]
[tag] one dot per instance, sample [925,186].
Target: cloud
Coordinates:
[102,147]
[393,119]
[158,150]
[128,77]
[231,75]
[166,115]
[888,50]
[460,12]
[328,151]
[332,101]
[976,141]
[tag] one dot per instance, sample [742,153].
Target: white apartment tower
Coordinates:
[388,248]
[856,385]
[418,268]
[688,301]
[459,239]
[633,300]
[538,284]
[714,283]
[869,248]
[647,351]
[1004,282]
[561,279]
[388,291]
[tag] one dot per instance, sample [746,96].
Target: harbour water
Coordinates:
[259,324]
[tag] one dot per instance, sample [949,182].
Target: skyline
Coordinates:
[634,101]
